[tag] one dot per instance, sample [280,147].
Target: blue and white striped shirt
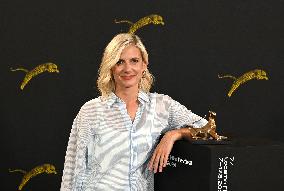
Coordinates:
[107,151]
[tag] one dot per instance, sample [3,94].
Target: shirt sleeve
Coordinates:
[180,116]
[75,159]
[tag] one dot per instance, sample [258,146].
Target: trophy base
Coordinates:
[211,142]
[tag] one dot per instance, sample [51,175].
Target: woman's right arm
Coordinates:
[74,158]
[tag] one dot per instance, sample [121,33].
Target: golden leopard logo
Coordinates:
[46,67]
[45,168]
[154,19]
[254,74]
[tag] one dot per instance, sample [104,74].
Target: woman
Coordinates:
[113,142]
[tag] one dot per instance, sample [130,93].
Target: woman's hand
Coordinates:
[162,151]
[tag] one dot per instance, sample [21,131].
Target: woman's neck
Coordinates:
[128,95]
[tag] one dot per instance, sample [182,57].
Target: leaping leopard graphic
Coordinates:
[155,19]
[254,74]
[46,67]
[45,168]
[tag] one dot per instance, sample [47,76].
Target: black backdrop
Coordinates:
[200,39]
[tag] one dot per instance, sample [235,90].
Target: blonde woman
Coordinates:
[113,143]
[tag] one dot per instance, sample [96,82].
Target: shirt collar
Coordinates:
[143,97]
[112,98]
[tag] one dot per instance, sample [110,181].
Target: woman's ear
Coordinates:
[145,65]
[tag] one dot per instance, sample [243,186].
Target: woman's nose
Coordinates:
[127,67]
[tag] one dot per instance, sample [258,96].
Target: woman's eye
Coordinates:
[134,60]
[119,62]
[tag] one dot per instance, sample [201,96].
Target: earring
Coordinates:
[144,74]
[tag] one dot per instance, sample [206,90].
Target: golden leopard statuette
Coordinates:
[208,132]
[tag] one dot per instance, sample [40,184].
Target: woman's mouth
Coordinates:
[127,77]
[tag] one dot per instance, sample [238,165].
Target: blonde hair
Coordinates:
[111,56]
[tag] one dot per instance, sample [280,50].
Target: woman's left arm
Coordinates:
[161,154]
[181,120]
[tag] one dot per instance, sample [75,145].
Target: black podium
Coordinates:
[243,165]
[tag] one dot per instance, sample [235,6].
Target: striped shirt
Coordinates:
[108,151]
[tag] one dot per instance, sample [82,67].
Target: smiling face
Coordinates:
[129,69]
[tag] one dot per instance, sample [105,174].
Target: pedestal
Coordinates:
[240,166]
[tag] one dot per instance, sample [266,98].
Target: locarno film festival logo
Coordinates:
[173,160]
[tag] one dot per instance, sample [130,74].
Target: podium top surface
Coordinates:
[240,142]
